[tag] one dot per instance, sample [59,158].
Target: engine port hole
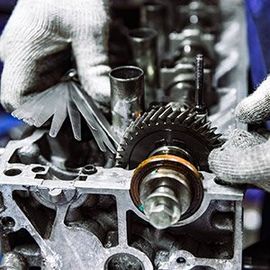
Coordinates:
[12,172]
[181,260]
[38,169]
[8,222]
[123,261]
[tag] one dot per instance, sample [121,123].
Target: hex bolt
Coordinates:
[162,208]
[166,196]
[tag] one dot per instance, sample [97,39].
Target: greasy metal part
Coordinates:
[167,189]
[154,15]
[86,218]
[127,101]
[166,126]
[200,103]
[192,41]
[145,55]
[177,82]
[199,13]
[13,261]
[177,77]
[172,249]
[172,150]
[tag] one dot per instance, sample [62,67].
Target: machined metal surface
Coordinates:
[121,246]
[154,15]
[63,205]
[144,44]
[127,103]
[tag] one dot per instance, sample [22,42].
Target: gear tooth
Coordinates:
[216,137]
[140,120]
[124,144]
[149,116]
[166,113]
[197,123]
[209,135]
[204,128]
[128,136]
[156,115]
[217,144]
[182,116]
[190,118]
[213,130]
[120,149]
[167,117]
[172,116]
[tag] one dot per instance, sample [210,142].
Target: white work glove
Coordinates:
[38,31]
[245,157]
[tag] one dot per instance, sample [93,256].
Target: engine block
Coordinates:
[153,203]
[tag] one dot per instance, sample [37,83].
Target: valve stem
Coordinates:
[199,95]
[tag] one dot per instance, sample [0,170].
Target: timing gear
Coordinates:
[184,129]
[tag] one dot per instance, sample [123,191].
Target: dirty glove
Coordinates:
[245,157]
[36,34]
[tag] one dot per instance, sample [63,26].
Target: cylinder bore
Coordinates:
[127,103]
[167,189]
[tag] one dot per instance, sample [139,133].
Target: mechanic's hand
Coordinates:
[35,39]
[245,157]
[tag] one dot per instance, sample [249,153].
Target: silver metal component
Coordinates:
[13,261]
[84,218]
[56,195]
[154,15]
[177,76]
[198,12]
[127,102]
[73,235]
[145,55]
[173,150]
[196,35]
[165,197]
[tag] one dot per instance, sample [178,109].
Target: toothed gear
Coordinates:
[167,126]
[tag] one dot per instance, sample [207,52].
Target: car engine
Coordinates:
[129,187]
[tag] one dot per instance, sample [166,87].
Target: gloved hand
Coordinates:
[245,157]
[36,34]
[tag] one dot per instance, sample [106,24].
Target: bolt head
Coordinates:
[163,213]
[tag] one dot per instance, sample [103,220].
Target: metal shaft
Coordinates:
[144,49]
[166,196]
[127,91]
[167,192]
[200,104]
